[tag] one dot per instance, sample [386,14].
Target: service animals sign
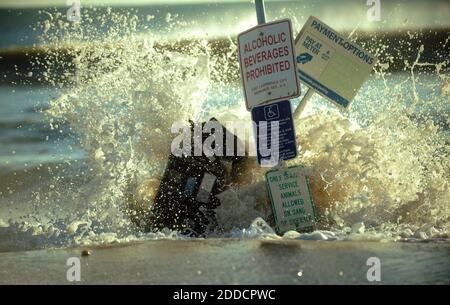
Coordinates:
[267,63]
[291,199]
[330,64]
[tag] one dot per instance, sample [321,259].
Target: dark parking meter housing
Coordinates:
[186,198]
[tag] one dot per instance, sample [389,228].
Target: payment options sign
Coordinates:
[291,199]
[330,64]
[267,62]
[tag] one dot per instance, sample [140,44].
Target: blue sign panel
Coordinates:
[322,89]
[267,116]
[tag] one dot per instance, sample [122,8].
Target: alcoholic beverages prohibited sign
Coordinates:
[267,63]
[291,199]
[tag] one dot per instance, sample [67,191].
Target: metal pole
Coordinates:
[303,103]
[260,11]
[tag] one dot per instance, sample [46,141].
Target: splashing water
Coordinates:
[385,163]
[126,95]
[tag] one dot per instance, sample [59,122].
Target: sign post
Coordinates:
[268,66]
[298,111]
[260,11]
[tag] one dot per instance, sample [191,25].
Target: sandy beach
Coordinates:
[229,261]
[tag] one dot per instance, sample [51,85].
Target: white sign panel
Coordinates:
[330,64]
[267,62]
[291,199]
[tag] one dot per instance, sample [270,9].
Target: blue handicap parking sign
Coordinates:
[267,116]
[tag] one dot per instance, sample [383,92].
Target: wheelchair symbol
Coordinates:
[271,113]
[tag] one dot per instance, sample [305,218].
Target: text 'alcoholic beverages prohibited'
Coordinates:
[267,62]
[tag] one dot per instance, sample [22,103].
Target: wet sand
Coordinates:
[230,261]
